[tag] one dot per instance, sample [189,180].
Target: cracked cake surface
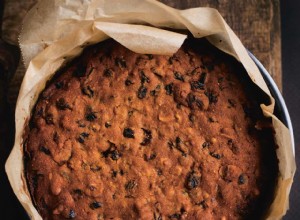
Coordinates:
[121,135]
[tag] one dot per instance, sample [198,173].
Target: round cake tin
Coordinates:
[281,110]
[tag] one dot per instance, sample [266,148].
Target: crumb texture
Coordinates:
[120,135]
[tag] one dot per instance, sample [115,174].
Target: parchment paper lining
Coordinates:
[56,31]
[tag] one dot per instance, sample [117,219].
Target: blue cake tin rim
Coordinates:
[283,113]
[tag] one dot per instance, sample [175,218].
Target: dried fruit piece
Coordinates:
[108,73]
[112,152]
[195,71]
[200,84]
[159,172]
[62,104]
[202,78]
[213,98]
[107,124]
[192,101]
[90,115]
[202,204]
[197,101]
[178,76]
[157,216]
[192,117]
[155,91]
[143,77]
[217,156]
[131,184]
[114,173]
[177,146]
[242,179]
[212,119]
[115,155]
[192,181]
[78,192]
[80,123]
[130,113]
[39,113]
[120,62]
[172,59]
[142,92]
[82,136]
[169,89]
[205,144]
[72,214]
[147,137]
[128,82]
[95,205]
[128,133]
[151,157]
[45,150]
[87,90]
[197,85]
[232,102]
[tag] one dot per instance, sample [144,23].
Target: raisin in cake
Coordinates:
[121,135]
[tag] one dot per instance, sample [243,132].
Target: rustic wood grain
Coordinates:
[14,12]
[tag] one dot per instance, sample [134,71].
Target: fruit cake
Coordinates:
[121,135]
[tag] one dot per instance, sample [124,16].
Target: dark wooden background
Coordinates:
[290,30]
[256,22]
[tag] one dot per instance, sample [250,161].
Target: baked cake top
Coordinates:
[120,135]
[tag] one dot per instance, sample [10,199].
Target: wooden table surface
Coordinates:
[256,22]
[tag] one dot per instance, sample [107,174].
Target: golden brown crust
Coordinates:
[119,135]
